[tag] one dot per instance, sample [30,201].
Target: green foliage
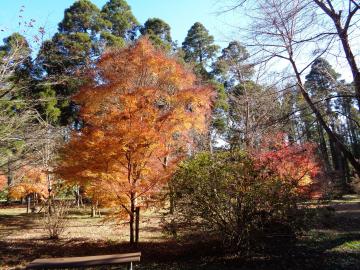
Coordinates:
[82,16]
[199,46]
[221,107]
[48,102]
[199,50]
[63,60]
[15,82]
[15,42]
[321,82]
[221,101]
[15,54]
[122,22]
[65,52]
[321,78]
[232,66]
[158,32]
[83,34]
[112,40]
[4,194]
[227,195]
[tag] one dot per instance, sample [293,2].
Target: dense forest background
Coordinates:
[252,148]
[37,86]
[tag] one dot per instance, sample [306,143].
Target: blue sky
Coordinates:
[180,15]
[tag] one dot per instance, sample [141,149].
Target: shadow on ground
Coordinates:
[318,249]
[172,255]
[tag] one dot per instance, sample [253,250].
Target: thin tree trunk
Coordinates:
[98,209]
[171,199]
[171,189]
[49,193]
[323,148]
[137,224]
[354,140]
[33,206]
[93,214]
[334,155]
[347,175]
[132,219]
[50,202]
[211,147]
[28,199]
[36,201]
[77,197]
[9,178]
[351,61]
[247,140]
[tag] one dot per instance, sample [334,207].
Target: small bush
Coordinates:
[54,219]
[4,194]
[228,195]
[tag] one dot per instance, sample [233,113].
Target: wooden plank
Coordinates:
[84,261]
[80,261]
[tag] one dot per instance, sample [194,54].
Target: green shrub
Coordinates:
[228,196]
[4,194]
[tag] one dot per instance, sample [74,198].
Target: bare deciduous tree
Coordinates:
[342,14]
[281,29]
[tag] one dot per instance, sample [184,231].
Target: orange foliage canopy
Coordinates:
[28,180]
[140,113]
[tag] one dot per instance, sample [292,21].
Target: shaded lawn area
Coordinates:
[334,244]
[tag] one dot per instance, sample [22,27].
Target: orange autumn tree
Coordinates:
[29,180]
[3,181]
[140,114]
[31,183]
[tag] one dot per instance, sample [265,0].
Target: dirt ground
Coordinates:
[333,244]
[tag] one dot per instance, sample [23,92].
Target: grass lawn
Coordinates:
[332,244]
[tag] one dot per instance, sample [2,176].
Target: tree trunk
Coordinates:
[9,178]
[28,199]
[347,175]
[50,202]
[171,189]
[352,130]
[351,61]
[137,224]
[132,219]
[211,147]
[78,197]
[93,213]
[334,155]
[343,185]
[305,117]
[97,209]
[354,139]
[323,148]
[171,199]
[33,207]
